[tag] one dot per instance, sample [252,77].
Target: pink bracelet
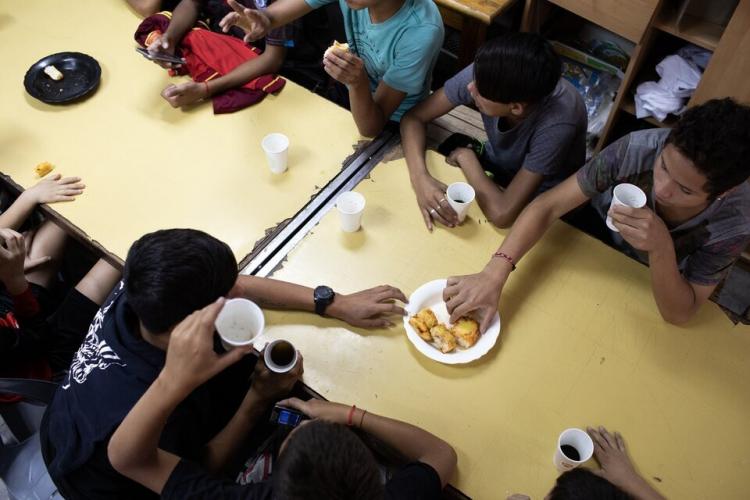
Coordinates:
[506,257]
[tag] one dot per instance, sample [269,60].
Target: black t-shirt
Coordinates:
[188,481]
[110,372]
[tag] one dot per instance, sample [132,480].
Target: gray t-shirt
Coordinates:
[551,141]
[706,245]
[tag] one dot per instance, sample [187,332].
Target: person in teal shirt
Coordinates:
[393,47]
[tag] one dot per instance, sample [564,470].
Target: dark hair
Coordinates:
[517,67]
[582,484]
[173,272]
[326,461]
[715,136]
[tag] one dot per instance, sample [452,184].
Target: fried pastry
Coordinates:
[466,332]
[420,328]
[428,317]
[43,168]
[336,45]
[443,338]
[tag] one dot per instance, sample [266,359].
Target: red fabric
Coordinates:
[209,55]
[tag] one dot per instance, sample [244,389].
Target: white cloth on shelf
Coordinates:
[679,79]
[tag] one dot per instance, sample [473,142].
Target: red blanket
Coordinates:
[209,55]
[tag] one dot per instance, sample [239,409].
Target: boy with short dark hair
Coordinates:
[535,123]
[168,274]
[694,226]
[393,47]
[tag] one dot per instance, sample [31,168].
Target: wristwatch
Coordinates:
[323,296]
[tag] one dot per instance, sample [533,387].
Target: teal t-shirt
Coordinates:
[401,51]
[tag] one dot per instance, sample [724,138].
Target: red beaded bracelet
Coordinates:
[506,257]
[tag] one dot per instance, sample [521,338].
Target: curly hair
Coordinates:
[715,136]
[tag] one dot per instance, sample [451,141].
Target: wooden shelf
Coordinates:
[628,105]
[692,29]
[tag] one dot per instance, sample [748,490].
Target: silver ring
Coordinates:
[433,211]
[442,200]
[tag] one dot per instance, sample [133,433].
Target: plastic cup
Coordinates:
[577,439]
[460,197]
[276,147]
[239,323]
[628,195]
[280,356]
[350,206]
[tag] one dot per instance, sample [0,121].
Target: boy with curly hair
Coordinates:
[695,224]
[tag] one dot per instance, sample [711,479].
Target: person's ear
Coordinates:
[517,108]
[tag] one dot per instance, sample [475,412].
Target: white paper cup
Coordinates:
[460,196]
[628,195]
[239,323]
[276,147]
[580,441]
[280,356]
[350,206]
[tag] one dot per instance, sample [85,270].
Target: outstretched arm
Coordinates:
[414,443]
[478,294]
[368,308]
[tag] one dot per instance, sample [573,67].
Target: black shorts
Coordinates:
[68,326]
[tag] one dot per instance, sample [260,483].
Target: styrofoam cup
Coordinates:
[579,440]
[239,323]
[460,197]
[350,206]
[628,195]
[276,147]
[274,366]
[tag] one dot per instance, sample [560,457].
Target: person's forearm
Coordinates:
[284,12]
[227,443]
[268,62]
[19,211]
[529,228]
[276,294]
[413,443]
[367,114]
[413,142]
[490,197]
[183,18]
[674,296]
[16,285]
[134,445]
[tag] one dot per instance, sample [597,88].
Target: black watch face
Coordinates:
[323,293]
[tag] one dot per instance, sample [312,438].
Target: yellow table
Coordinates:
[581,343]
[148,166]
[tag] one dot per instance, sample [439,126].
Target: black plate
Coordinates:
[81,74]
